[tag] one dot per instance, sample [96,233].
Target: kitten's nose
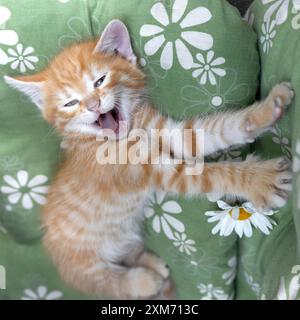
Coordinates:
[93,104]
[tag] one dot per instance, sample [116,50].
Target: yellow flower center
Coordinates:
[243,214]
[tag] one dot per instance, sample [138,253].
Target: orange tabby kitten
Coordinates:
[94,212]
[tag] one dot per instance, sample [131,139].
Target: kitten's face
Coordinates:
[90,89]
[91,93]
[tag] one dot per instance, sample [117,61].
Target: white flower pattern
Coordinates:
[7,37]
[163,213]
[210,292]
[230,275]
[172,33]
[255,287]
[208,68]
[41,293]
[269,33]
[279,9]
[184,244]
[25,190]
[22,58]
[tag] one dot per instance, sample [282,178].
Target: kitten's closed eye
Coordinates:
[71,103]
[99,81]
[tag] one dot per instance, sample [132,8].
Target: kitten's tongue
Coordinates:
[107,121]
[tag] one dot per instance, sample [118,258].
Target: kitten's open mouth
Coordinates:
[110,120]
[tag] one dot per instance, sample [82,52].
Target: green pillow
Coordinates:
[186,49]
[269,266]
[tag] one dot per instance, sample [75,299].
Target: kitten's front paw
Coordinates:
[269,112]
[271,184]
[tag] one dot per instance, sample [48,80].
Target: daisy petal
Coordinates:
[27,51]
[8,37]
[212,78]
[38,198]
[197,72]
[41,291]
[171,207]
[54,295]
[195,17]
[217,228]
[4,14]
[218,61]
[29,65]
[159,13]
[156,224]
[223,205]
[153,45]
[184,56]
[15,64]
[27,202]
[219,72]
[203,79]
[167,230]
[166,58]
[149,212]
[22,67]
[37,180]
[14,198]
[3,57]
[148,30]
[160,196]
[22,177]
[8,190]
[11,182]
[175,223]
[30,294]
[42,189]
[19,49]
[247,228]
[199,40]
[179,8]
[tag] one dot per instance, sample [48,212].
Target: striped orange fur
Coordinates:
[94,212]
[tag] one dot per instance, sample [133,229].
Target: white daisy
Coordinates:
[240,219]
[22,59]
[171,33]
[210,292]
[41,293]
[24,190]
[163,213]
[184,245]
[7,37]
[269,33]
[230,275]
[208,67]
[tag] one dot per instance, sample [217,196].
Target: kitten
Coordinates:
[94,214]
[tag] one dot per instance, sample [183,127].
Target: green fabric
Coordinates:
[202,265]
[268,265]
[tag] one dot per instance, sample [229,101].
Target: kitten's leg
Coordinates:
[84,271]
[140,257]
[222,129]
[264,183]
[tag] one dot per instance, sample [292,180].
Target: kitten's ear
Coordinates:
[115,39]
[29,85]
